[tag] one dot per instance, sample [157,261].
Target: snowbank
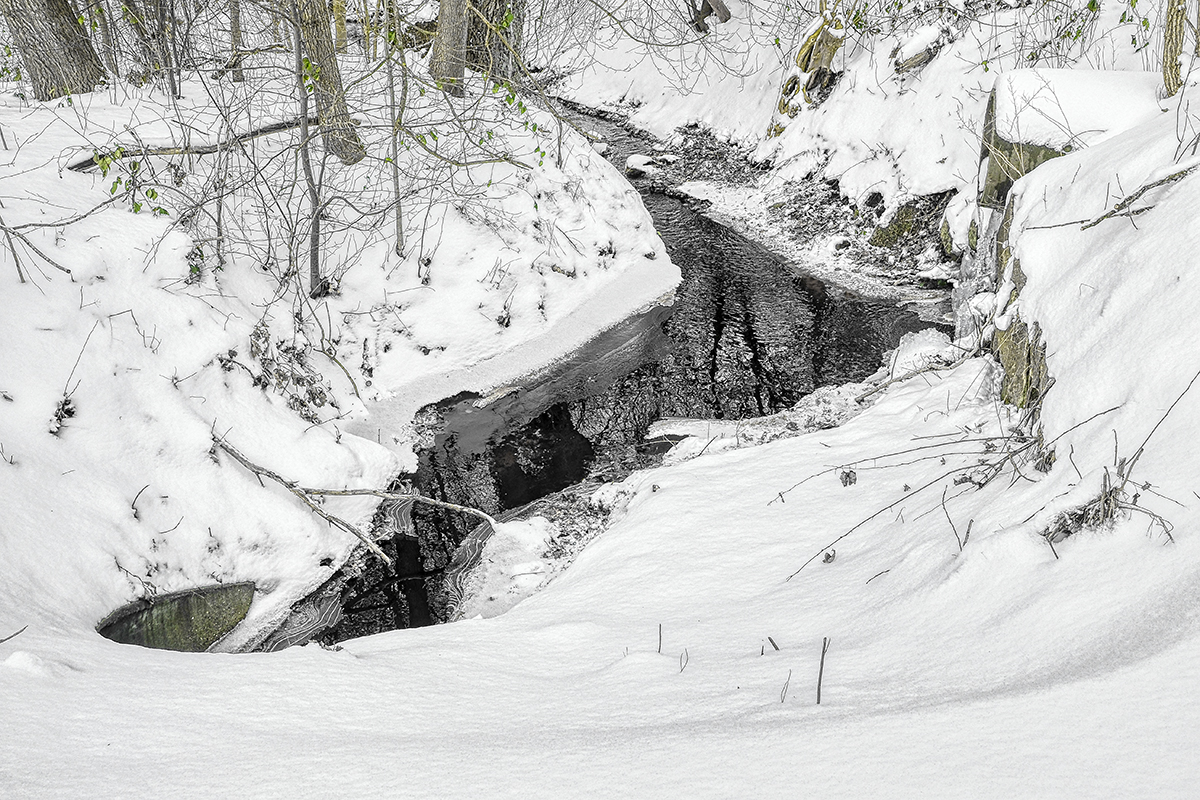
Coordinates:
[118,377]
[987,634]
[1071,108]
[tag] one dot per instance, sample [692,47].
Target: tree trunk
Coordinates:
[141,28]
[339,25]
[1176,26]
[448,63]
[235,39]
[149,23]
[54,47]
[166,42]
[397,114]
[337,131]
[494,35]
[317,285]
[100,18]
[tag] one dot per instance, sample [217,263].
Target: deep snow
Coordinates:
[985,665]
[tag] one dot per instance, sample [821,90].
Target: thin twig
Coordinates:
[821,671]
[1138,453]
[14,635]
[1119,208]
[947,513]
[888,507]
[13,247]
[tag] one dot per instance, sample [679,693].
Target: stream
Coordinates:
[746,336]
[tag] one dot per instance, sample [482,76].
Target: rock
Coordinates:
[1034,115]
[640,166]
[901,225]
[1022,354]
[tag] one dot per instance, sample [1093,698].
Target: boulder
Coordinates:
[1034,115]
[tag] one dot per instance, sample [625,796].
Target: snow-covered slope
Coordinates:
[994,671]
[968,654]
[118,376]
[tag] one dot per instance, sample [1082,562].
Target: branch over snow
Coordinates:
[310,497]
[93,161]
[1120,209]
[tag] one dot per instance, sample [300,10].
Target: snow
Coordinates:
[968,654]
[1071,108]
[158,359]
[935,668]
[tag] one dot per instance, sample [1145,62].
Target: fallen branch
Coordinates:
[1120,208]
[11,232]
[913,374]
[305,498]
[417,498]
[309,497]
[93,161]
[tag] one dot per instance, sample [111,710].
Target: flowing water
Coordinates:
[746,336]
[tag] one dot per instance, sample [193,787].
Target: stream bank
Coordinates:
[747,336]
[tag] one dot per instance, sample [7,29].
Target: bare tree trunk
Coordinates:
[1176,26]
[337,131]
[448,63]
[149,23]
[397,118]
[235,39]
[368,25]
[339,25]
[138,21]
[494,29]
[99,14]
[166,40]
[54,47]
[317,285]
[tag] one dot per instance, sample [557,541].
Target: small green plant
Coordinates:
[126,180]
[10,66]
[312,74]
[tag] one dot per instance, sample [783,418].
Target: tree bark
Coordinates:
[1176,26]
[339,25]
[337,131]
[99,13]
[54,47]
[448,63]
[235,39]
[317,285]
[397,114]
[494,37]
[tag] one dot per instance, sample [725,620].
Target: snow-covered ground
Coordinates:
[117,377]
[994,671]
[681,654]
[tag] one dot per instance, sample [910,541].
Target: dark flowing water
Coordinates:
[746,336]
